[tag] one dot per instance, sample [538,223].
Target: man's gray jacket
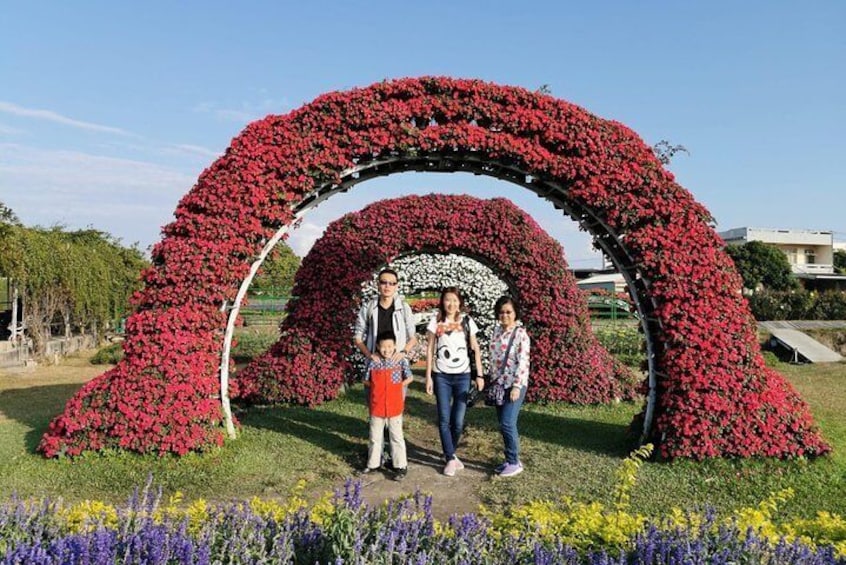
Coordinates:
[402,320]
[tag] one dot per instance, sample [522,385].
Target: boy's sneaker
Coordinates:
[511,469]
[400,473]
[451,467]
[387,462]
[500,468]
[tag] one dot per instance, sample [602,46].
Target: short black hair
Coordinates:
[503,300]
[388,271]
[384,336]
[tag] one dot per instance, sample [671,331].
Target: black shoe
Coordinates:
[400,474]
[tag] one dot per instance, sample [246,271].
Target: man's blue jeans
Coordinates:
[507,415]
[451,398]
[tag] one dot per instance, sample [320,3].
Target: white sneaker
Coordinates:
[459,464]
[451,467]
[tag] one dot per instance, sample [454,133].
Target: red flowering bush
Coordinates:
[710,393]
[295,355]
[423,304]
[568,364]
[156,399]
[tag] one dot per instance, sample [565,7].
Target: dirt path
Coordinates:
[450,495]
[73,369]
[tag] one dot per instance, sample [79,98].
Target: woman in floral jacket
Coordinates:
[509,372]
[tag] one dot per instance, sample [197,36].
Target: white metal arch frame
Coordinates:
[610,242]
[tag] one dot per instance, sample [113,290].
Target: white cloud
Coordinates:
[58,170]
[195,150]
[49,115]
[9,130]
[130,199]
[303,237]
[247,111]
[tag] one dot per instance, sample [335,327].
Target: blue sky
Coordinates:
[110,110]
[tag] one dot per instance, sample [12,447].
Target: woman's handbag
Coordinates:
[495,391]
[472,395]
[495,394]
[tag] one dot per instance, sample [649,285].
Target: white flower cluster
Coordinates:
[430,273]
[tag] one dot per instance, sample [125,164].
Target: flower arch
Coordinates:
[568,364]
[709,392]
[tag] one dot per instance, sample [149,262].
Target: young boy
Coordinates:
[387,380]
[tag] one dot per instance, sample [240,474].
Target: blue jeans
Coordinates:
[507,415]
[451,398]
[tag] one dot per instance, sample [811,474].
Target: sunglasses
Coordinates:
[388,283]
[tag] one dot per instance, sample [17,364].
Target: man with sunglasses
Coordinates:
[389,312]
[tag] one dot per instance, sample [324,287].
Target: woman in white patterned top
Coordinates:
[509,349]
[448,370]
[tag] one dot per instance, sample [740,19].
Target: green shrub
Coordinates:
[624,342]
[781,305]
[109,355]
[798,305]
[829,305]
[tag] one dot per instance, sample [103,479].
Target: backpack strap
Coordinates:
[465,326]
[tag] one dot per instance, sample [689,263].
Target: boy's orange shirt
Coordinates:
[386,390]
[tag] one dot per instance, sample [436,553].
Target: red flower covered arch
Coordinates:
[568,364]
[710,393]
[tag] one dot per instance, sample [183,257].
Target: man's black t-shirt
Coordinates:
[385,319]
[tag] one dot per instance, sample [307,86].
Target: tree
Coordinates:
[7,216]
[276,277]
[840,261]
[7,219]
[762,265]
[665,151]
[83,278]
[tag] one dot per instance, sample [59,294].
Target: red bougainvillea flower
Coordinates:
[710,393]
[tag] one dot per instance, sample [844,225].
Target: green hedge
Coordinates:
[798,305]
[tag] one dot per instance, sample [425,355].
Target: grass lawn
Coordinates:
[568,451]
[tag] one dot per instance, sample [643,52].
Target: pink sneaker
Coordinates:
[451,467]
[459,464]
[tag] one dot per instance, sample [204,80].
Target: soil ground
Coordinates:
[74,369]
[450,495]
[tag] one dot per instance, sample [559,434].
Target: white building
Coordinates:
[809,252]
[614,283]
